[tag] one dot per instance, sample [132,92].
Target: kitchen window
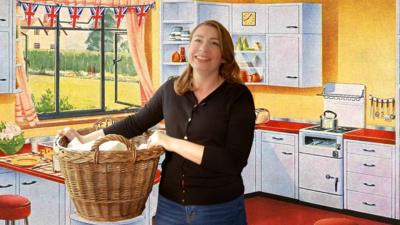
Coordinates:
[79,71]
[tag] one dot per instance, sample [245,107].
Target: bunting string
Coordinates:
[97,12]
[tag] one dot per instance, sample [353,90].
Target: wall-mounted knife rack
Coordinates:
[382,108]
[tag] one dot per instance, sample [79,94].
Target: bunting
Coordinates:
[119,14]
[97,14]
[142,10]
[29,10]
[74,14]
[52,12]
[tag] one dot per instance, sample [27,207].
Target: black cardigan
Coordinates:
[223,122]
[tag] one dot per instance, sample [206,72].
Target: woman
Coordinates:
[209,119]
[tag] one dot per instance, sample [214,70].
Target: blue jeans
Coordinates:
[228,213]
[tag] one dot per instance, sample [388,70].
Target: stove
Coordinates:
[321,163]
[338,130]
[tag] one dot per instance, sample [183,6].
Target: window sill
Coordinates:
[72,121]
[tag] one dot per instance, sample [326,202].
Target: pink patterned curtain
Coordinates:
[109,3]
[136,47]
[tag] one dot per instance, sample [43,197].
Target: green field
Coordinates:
[85,93]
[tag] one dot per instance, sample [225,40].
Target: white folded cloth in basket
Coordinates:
[76,145]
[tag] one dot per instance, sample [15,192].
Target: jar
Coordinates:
[182,54]
[244,75]
[175,57]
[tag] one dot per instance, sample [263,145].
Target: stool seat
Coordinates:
[14,207]
[335,221]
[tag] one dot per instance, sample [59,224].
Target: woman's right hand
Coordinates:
[71,133]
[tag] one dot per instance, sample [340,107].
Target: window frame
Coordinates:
[57,114]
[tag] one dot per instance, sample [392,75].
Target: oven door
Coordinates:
[321,144]
[323,174]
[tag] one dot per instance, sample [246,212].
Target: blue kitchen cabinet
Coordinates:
[249,173]
[7,46]
[220,12]
[47,200]
[279,155]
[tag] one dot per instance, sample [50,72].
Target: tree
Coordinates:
[93,40]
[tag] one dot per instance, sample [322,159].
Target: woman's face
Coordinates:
[204,50]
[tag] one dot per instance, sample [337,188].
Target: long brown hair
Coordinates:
[229,69]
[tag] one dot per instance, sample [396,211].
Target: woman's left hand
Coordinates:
[158,138]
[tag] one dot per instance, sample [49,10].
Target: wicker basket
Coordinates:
[108,185]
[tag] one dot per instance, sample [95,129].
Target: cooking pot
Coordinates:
[262,115]
[329,122]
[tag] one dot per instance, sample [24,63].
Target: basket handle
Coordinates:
[103,123]
[112,137]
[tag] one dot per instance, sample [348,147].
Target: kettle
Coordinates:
[329,122]
[262,115]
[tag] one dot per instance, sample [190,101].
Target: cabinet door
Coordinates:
[283,61]
[249,18]
[278,169]
[45,199]
[249,172]
[7,183]
[5,61]
[5,13]
[283,19]
[218,12]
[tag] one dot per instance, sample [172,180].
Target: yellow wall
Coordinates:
[358,47]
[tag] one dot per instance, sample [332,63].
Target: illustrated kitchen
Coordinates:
[323,74]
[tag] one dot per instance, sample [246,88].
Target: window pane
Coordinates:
[40,68]
[80,75]
[126,91]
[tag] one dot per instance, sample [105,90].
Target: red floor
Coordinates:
[267,211]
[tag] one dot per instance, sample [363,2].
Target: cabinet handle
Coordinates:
[368,150]
[29,183]
[1,19]
[6,186]
[287,153]
[3,79]
[369,185]
[369,165]
[278,139]
[369,204]
[292,27]
[291,77]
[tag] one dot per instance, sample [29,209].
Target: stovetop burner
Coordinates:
[339,130]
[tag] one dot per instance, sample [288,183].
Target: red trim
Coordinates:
[378,136]
[283,126]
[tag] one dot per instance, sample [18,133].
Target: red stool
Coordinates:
[335,221]
[14,207]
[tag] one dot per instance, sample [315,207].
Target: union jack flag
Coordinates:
[29,10]
[97,14]
[141,11]
[74,14]
[119,13]
[52,12]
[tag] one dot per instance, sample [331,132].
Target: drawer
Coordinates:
[370,149]
[369,184]
[369,165]
[276,137]
[368,203]
[7,183]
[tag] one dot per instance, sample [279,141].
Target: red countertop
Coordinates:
[46,174]
[283,126]
[378,136]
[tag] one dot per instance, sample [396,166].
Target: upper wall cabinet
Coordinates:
[294,19]
[249,18]
[214,11]
[5,12]
[178,18]
[7,46]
